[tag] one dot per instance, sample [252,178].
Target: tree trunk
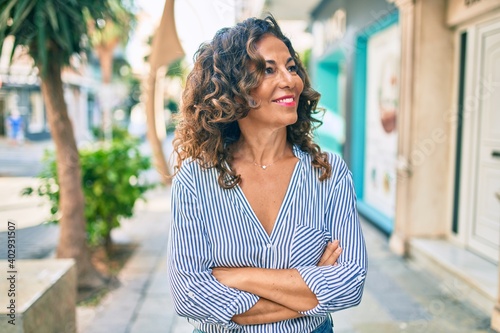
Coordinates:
[165,49]
[108,244]
[73,236]
[159,160]
[105,53]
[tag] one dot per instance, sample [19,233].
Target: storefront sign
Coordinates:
[460,11]
[382,104]
[329,31]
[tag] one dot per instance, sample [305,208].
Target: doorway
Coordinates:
[479,205]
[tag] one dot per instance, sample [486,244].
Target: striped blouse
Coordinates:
[216,227]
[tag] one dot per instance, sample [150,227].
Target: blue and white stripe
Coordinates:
[214,227]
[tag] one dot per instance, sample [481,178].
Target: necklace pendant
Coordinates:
[264,167]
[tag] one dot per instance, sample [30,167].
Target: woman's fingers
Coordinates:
[326,254]
[332,260]
[331,254]
[335,256]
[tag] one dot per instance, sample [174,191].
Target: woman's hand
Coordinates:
[264,312]
[331,254]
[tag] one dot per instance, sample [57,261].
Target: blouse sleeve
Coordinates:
[341,286]
[196,293]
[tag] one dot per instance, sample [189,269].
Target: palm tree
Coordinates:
[52,31]
[111,31]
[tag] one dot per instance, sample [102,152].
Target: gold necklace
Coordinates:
[265,166]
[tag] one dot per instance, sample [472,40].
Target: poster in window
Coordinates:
[382,104]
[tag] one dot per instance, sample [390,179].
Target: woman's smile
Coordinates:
[288,101]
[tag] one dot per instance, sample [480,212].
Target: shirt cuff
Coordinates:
[332,291]
[315,279]
[242,303]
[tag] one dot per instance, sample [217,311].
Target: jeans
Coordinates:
[325,327]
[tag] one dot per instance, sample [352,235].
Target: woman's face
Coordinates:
[278,93]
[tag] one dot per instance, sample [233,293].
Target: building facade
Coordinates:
[20,93]
[418,84]
[355,67]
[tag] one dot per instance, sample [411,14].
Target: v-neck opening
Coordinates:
[287,197]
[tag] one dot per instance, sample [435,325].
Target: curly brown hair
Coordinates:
[217,94]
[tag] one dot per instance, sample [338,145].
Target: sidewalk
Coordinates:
[19,164]
[26,211]
[399,296]
[34,238]
[142,302]
[22,160]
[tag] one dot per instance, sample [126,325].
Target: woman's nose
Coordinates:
[286,79]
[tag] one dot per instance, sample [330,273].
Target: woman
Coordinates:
[265,235]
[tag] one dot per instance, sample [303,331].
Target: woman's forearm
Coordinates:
[282,286]
[264,312]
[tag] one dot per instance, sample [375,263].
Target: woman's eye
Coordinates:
[269,70]
[293,68]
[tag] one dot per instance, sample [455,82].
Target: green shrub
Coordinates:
[111,185]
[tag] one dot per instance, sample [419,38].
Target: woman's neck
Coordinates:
[263,149]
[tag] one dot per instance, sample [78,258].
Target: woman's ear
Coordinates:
[252,102]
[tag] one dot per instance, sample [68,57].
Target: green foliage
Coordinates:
[115,26]
[134,95]
[111,184]
[305,57]
[171,127]
[117,133]
[177,69]
[53,27]
[172,105]
[131,81]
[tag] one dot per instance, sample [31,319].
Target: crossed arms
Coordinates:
[282,292]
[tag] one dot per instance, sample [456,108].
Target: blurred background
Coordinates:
[410,93]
